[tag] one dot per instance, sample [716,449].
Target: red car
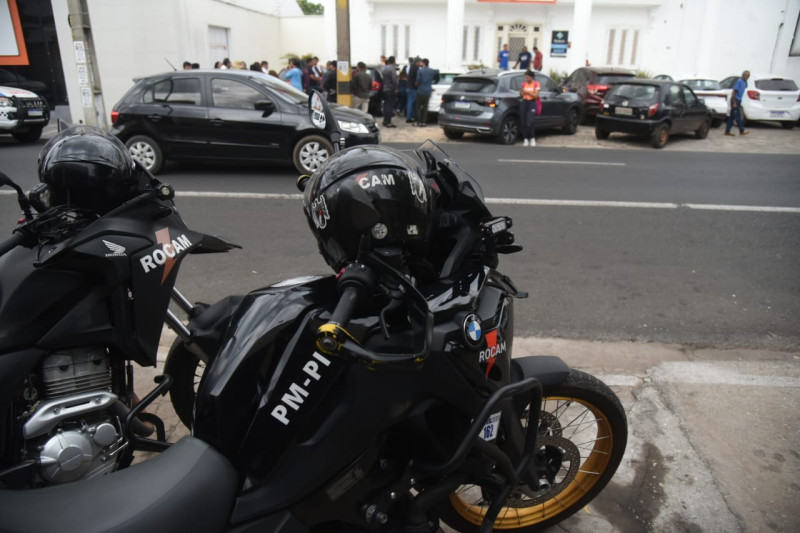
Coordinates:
[592,83]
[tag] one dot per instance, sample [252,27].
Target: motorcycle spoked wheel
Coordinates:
[587,429]
[186,370]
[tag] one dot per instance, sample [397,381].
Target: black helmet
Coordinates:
[88,168]
[371,190]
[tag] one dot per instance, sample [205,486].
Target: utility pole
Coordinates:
[344,94]
[88,74]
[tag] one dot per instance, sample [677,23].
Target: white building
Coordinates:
[134,38]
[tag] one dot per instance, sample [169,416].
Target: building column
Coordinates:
[455,33]
[578,35]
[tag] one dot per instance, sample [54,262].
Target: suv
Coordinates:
[652,108]
[228,114]
[23,114]
[487,102]
[769,97]
[591,83]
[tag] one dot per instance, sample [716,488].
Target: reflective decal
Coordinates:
[374,180]
[297,393]
[417,187]
[116,249]
[319,212]
[472,330]
[380,231]
[493,349]
[166,254]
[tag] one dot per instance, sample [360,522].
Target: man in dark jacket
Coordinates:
[362,85]
[389,91]
[411,92]
[329,81]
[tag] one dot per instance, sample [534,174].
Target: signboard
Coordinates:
[559,43]
[12,43]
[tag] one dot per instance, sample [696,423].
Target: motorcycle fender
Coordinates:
[211,244]
[548,369]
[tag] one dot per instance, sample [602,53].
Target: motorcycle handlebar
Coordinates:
[12,242]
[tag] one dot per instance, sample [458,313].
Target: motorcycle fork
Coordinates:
[177,325]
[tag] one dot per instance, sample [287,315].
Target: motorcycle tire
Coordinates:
[579,408]
[186,370]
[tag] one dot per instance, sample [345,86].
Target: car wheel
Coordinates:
[310,152]
[571,122]
[716,123]
[702,131]
[27,136]
[660,136]
[601,134]
[453,134]
[146,152]
[787,125]
[509,131]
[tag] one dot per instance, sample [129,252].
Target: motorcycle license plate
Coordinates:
[624,111]
[489,431]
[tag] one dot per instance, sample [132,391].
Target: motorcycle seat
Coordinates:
[188,487]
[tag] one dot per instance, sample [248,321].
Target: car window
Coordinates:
[174,91]
[702,85]
[727,83]
[633,91]
[446,78]
[284,90]
[473,85]
[688,96]
[776,84]
[515,83]
[674,95]
[546,83]
[608,79]
[234,94]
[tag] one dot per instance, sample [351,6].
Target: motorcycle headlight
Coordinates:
[352,127]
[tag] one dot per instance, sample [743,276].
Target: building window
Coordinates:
[611,35]
[408,41]
[470,43]
[622,46]
[476,45]
[383,39]
[391,44]
[795,48]
[464,43]
[395,38]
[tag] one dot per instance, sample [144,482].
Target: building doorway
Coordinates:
[517,35]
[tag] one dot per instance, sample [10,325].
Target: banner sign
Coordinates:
[559,44]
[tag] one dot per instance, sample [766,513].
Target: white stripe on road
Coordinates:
[599,163]
[516,201]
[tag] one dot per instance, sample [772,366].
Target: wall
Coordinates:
[301,36]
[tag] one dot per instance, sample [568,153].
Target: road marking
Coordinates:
[516,201]
[549,162]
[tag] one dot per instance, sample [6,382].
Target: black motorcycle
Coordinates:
[384,398]
[84,291]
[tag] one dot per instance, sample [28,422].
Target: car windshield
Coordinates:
[632,91]
[702,85]
[473,85]
[776,84]
[284,90]
[608,79]
[446,78]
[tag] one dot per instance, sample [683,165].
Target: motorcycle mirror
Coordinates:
[322,118]
[63,125]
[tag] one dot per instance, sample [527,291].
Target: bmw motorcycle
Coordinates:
[84,291]
[383,398]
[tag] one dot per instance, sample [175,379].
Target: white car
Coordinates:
[716,98]
[23,114]
[769,97]
[439,88]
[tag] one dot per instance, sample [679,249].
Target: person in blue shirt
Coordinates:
[295,76]
[524,60]
[736,105]
[503,56]
[426,77]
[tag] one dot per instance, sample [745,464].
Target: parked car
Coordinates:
[228,114]
[769,97]
[592,83]
[487,102]
[714,96]
[11,78]
[652,108]
[439,88]
[23,114]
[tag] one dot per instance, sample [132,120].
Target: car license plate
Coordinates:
[462,105]
[489,431]
[624,111]
[776,114]
[35,112]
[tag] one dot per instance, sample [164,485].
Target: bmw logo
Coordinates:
[472,330]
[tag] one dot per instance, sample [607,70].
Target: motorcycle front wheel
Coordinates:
[584,428]
[186,370]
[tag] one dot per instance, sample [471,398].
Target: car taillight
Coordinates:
[114,117]
[597,89]
[652,110]
[753,95]
[490,101]
[376,86]
[798,97]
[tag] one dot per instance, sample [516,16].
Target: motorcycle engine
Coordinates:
[72,430]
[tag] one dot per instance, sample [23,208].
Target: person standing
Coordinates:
[425,79]
[329,81]
[402,92]
[314,74]
[389,91]
[736,105]
[411,89]
[362,85]
[524,59]
[294,76]
[527,108]
[537,59]
[503,56]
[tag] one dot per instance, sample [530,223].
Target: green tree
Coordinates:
[310,8]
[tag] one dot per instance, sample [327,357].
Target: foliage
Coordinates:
[644,74]
[480,66]
[310,8]
[558,75]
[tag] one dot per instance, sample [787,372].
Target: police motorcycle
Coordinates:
[382,398]
[85,284]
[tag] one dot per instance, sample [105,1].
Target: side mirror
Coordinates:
[266,106]
[322,118]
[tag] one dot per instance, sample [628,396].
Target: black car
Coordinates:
[652,108]
[228,114]
[592,83]
[487,102]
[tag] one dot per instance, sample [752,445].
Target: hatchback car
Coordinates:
[652,108]
[228,115]
[591,83]
[714,96]
[769,97]
[487,102]
[439,88]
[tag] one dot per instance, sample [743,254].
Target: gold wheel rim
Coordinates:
[590,470]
